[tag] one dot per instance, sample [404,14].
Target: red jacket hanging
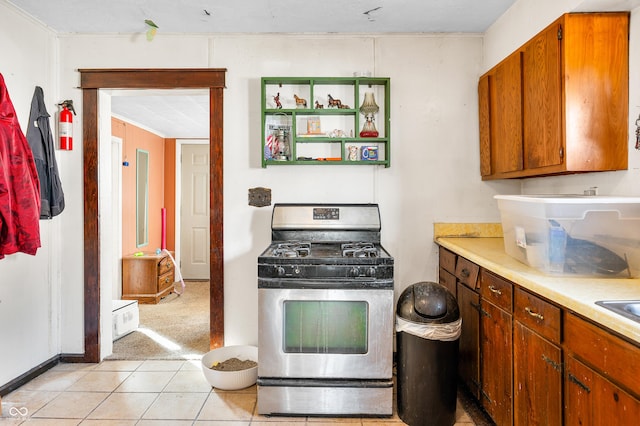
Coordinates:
[19,185]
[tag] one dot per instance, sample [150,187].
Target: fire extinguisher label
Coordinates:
[65,129]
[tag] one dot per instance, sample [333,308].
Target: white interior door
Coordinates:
[194,205]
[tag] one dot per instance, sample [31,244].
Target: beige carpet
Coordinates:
[175,328]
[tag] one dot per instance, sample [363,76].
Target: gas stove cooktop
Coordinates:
[325,242]
[317,252]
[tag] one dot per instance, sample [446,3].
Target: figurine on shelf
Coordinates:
[334,102]
[369,108]
[369,129]
[337,133]
[300,102]
[353,153]
[276,99]
[319,105]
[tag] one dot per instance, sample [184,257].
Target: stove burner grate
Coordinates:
[359,249]
[292,249]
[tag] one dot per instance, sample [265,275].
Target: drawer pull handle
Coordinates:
[485,395]
[465,273]
[552,363]
[534,314]
[495,290]
[575,380]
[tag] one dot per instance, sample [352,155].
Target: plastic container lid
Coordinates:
[570,199]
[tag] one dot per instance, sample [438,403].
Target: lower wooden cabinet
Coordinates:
[592,400]
[537,361]
[600,368]
[469,344]
[537,379]
[448,280]
[529,361]
[496,363]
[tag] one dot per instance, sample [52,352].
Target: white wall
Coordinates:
[29,285]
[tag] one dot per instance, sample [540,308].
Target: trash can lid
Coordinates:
[427,302]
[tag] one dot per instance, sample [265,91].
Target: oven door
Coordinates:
[325,333]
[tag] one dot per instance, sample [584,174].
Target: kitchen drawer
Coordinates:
[165,265]
[496,290]
[447,260]
[537,314]
[467,272]
[447,279]
[616,359]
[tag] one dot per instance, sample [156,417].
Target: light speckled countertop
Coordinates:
[575,294]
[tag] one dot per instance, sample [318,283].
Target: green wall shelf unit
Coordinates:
[325,120]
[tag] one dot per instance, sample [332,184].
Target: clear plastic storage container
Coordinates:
[573,234]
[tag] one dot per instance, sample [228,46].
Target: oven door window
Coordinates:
[325,327]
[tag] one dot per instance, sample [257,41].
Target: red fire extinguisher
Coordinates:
[65,125]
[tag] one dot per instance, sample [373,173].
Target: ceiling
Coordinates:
[180,114]
[266,16]
[186,115]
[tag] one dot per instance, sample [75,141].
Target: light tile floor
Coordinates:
[171,393]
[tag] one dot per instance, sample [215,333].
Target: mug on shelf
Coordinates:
[369,153]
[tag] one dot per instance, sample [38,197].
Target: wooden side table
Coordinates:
[147,278]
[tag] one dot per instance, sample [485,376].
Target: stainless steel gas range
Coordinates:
[325,309]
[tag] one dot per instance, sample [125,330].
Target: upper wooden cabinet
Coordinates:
[559,104]
[502,132]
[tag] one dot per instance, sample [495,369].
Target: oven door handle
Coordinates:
[352,284]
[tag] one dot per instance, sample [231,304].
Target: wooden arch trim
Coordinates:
[92,80]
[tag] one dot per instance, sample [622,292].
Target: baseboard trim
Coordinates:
[29,375]
[73,358]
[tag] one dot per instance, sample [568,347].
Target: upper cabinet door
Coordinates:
[596,90]
[542,100]
[484,109]
[505,95]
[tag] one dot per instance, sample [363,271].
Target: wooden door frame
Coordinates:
[91,81]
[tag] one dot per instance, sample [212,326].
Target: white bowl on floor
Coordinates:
[230,380]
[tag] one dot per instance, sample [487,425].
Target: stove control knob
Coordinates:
[281,271]
[372,271]
[296,271]
[354,272]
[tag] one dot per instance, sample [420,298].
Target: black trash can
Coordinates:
[428,326]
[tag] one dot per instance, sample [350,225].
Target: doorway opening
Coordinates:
[92,80]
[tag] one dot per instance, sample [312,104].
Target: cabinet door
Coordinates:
[448,280]
[591,400]
[484,110]
[469,358]
[505,100]
[542,100]
[617,358]
[596,90]
[537,379]
[496,372]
